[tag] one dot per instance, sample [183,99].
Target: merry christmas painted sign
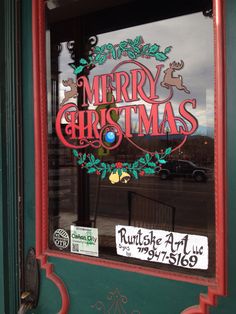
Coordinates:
[95,122]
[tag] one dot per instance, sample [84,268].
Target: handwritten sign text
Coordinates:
[178,249]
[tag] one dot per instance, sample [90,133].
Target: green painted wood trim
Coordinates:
[2,290]
[8,208]
[228,305]
[231,149]
[28,125]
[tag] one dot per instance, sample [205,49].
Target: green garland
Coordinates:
[148,164]
[130,48]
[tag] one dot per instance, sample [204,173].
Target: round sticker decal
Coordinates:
[61,239]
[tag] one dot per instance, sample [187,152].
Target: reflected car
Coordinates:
[183,168]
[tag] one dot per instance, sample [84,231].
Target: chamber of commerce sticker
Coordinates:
[61,239]
[173,248]
[84,240]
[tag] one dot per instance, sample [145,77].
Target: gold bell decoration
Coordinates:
[114,177]
[125,177]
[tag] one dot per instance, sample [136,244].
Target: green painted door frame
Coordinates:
[9,274]
[228,305]
[85,283]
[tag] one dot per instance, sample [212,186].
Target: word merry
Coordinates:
[119,83]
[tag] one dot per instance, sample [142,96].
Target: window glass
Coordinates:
[131,133]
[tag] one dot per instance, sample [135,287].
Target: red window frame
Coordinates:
[217,285]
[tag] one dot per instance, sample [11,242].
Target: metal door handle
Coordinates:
[26,302]
[25,306]
[29,297]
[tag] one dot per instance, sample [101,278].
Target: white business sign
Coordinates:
[84,240]
[173,248]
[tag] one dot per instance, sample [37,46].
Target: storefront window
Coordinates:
[130,98]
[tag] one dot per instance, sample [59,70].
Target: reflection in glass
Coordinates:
[180,195]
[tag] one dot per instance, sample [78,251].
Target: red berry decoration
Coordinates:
[119,165]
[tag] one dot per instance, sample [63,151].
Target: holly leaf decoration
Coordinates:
[148,157]
[143,164]
[103,175]
[162,161]
[123,44]
[102,59]
[102,48]
[135,174]
[157,156]
[91,170]
[160,56]
[168,49]
[168,151]
[119,53]
[137,40]
[153,49]
[142,160]
[75,153]
[78,69]
[131,54]
[83,61]
[152,164]
[145,49]
[149,170]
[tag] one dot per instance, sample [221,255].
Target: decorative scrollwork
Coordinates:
[208,13]
[71,48]
[116,304]
[92,42]
[59,48]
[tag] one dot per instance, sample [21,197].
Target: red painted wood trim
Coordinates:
[219,287]
[216,286]
[40,137]
[134,268]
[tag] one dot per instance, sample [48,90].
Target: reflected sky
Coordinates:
[191,37]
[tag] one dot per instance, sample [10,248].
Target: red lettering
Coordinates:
[188,116]
[169,118]
[121,87]
[92,126]
[93,93]
[148,124]
[128,125]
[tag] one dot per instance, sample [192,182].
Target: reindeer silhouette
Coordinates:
[170,80]
[72,93]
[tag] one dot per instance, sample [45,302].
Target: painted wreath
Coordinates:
[150,163]
[122,171]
